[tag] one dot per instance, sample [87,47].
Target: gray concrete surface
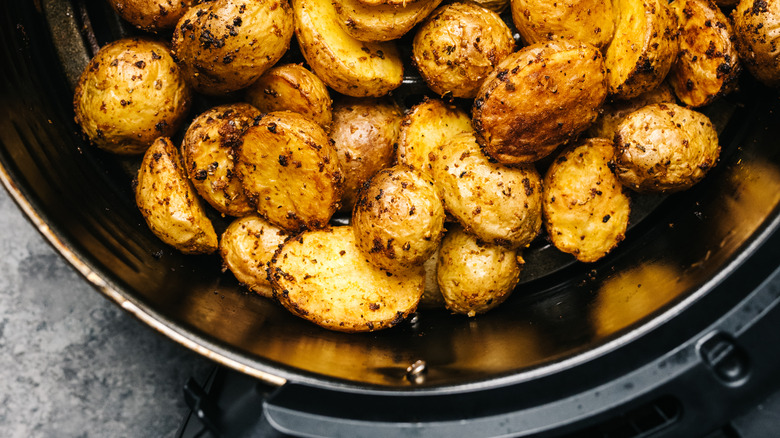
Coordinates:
[72,363]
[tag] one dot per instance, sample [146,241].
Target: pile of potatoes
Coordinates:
[552,132]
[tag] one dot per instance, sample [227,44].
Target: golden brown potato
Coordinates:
[247,247]
[290,171]
[152,15]
[755,28]
[322,276]
[129,94]
[388,2]
[345,64]
[499,204]
[473,276]
[585,206]
[427,126]
[292,87]
[365,134]
[169,204]
[664,148]
[207,150]
[497,6]
[398,219]
[614,112]
[588,21]
[225,45]
[382,22]
[537,99]
[707,65]
[458,46]
[644,47]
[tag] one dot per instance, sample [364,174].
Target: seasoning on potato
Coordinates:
[169,203]
[290,171]
[755,24]
[589,21]
[321,276]
[585,206]
[664,148]
[381,22]
[613,112]
[152,15]
[539,98]
[458,46]
[130,93]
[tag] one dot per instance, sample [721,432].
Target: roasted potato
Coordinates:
[247,247]
[707,65]
[130,93]
[323,277]
[539,98]
[381,22]
[225,45]
[169,203]
[499,204]
[365,134]
[207,150]
[152,15]
[431,297]
[644,47]
[614,112]
[292,87]
[398,219]
[588,21]
[388,2]
[755,29]
[345,64]
[290,171]
[458,46]
[585,206]
[474,276]
[664,148]
[497,6]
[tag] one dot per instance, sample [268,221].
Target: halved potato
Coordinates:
[321,276]
[381,22]
[589,21]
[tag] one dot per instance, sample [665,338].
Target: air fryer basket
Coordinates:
[688,259]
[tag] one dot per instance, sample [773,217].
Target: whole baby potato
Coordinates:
[398,219]
[755,28]
[589,21]
[152,15]
[613,112]
[130,93]
[458,46]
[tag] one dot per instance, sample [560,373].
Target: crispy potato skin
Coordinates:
[207,150]
[756,24]
[152,15]
[290,171]
[169,204]
[499,204]
[225,45]
[664,148]
[537,99]
[321,276]
[614,112]
[365,134]
[458,46]
[381,22]
[589,21]
[644,47]
[349,66]
[291,87]
[473,276]
[247,246]
[585,206]
[707,65]
[130,93]
[398,219]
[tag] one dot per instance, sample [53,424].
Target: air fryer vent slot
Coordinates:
[641,422]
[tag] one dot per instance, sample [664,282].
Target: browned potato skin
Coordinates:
[498,204]
[291,87]
[290,171]
[321,276]
[207,150]
[497,6]
[389,2]
[247,247]
[225,45]
[707,65]
[458,46]
[755,27]
[614,112]
[589,21]
[169,204]
[365,134]
[643,49]
[382,22]
[398,219]
[537,99]
[474,276]
[664,148]
[152,15]
[130,93]
[432,297]
[585,206]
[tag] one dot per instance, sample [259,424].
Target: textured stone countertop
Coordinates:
[72,363]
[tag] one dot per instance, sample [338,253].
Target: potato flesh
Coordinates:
[589,21]
[382,22]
